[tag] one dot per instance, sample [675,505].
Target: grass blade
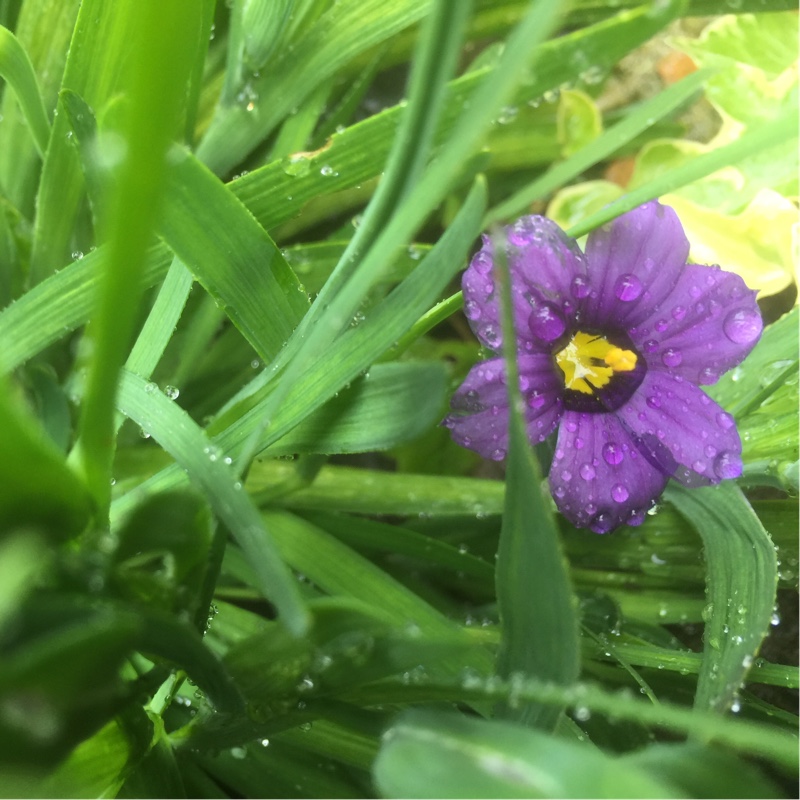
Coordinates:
[742,575]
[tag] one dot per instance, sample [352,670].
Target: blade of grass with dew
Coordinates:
[153,118]
[161,321]
[742,576]
[231,255]
[342,32]
[356,350]
[468,757]
[359,152]
[338,570]
[538,611]
[757,739]
[434,63]
[327,323]
[216,238]
[34,322]
[16,69]
[93,70]
[175,431]
[605,145]
[380,537]
[381,493]
[392,403]
[43,28]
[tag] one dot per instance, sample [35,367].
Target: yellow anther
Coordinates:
[589,362]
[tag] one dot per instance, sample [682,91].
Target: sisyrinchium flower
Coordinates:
[612,346]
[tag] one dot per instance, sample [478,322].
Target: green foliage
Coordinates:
[238,554]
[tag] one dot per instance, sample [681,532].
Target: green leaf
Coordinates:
[185,441]
[15,67]
[231,255]
[165,44]
[535,601]
[762,394]
[429,754]
[36,486]
[703,771]
[742,576]
[392,403]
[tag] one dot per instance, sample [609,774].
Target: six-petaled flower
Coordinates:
[612,346]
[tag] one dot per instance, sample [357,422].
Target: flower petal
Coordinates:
[599,479]
[633,264]
[682,430]
[548,281]
[480,421]
[707,325]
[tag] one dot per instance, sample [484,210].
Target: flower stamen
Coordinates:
[588,362]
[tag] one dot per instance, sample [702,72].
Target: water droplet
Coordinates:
[619,493]
[546,323]
[296,164]
[671,357]
[578,443]
[725,420]
[661,325]
[654,401]
[499,454]
[472,309]
[742,326]
[566,475]
[172,392]
[482,262]
[728,465]
[612,453]
[150,387]
[491,336]
[239,752]
[587,472]
[650,346]
[579,287]
[507,115]
[627,288]
[536,399]
[328,171]
[678,313]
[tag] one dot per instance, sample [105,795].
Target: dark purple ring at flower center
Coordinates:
[619,387]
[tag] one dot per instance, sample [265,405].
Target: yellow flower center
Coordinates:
[589,362]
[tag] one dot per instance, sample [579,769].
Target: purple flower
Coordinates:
[612,346]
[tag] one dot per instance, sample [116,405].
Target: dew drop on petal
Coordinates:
[671,357]
[627,288]
[546,323]
[566,475]
[728,465]
[742,326]
[678,313]
[725,420]
[579,443]
[587,472]
[661,325]
[536,399]
[472,309]
[708,376]
[710,450]
[491,335]
[579,287]
[499,454]
[650,346]
[699,466]
[602,523]
[612,453]
[482,262]
[654,401]
[619,493]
